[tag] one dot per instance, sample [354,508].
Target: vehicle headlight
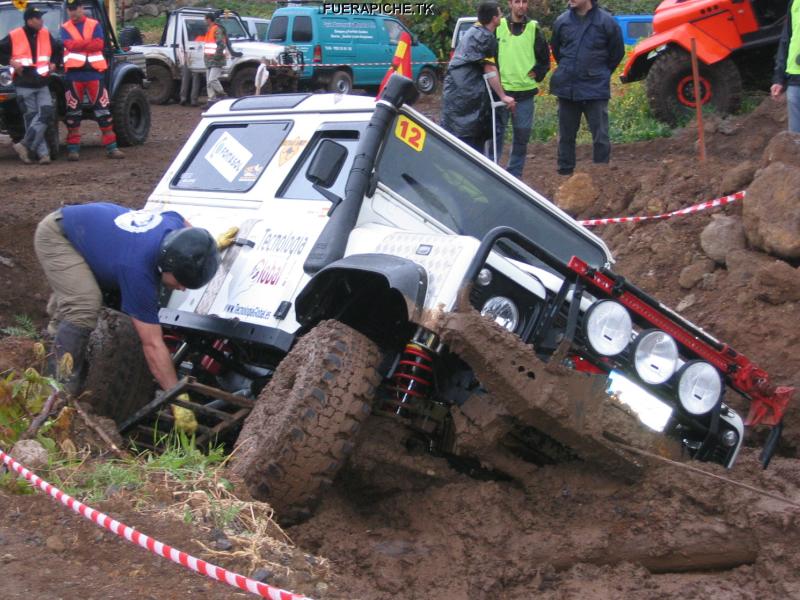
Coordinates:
[655,356]
[5,77]
[699,387]
[608,327]
[502,311]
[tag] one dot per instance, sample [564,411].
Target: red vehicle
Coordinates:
[735,40]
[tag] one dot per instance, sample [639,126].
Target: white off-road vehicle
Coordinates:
[383,267]
[181,41]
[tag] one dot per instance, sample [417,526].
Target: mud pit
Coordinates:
[395,525]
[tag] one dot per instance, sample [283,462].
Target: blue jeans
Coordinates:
[38,114]
[522,123]
[793,106]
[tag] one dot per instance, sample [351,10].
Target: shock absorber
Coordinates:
[414,377]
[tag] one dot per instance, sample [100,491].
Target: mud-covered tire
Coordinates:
[131,113]
[670,87]
[306,421]
[243,82]
[341,82]
[162,85]
[117,378]
[427,80]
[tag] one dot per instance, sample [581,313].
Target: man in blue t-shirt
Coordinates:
[87,249]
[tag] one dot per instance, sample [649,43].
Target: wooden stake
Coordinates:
[698,96]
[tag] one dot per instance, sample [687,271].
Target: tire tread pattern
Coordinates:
[306,421]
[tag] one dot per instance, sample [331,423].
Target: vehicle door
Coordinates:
[338,48]
[301,35]
[193,30]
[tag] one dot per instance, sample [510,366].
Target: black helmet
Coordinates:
[191,255]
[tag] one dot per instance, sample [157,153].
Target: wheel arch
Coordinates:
[164,62]
[360,285]
[125,73]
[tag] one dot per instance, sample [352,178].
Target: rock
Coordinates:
[55,544]
[728,126]
[577,194]
[7,262]
[151,10]
[770,216]
[7,558]
[784,148]
[130,14]
[261,574]
[721,236]
[738,178]
[223,544]
[744,264]
[693,273]
[30,454]
[777,283]
[321,587]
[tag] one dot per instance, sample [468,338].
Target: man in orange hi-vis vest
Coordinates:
[401,61]
[34,54]
[84,64]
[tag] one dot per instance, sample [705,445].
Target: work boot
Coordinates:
[44,160]
[115,153]
[22,152]
[73,155]
[73,339]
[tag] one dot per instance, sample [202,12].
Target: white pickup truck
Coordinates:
[181,41]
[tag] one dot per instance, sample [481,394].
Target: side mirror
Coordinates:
[326,164]
[325,168]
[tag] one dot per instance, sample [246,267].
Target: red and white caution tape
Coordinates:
[130,534]
[675,213]
[386,64]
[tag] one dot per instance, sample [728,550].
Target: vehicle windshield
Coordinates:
[233,27]
[470,199]
[11,18]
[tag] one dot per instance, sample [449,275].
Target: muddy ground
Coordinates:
[423,529]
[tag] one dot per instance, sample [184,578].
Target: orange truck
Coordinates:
[735,40]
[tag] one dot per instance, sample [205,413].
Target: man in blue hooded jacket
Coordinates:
[587,45]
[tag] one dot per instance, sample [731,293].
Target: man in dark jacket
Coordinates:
[466,104]
[33,53]
[587,45]
[786,78]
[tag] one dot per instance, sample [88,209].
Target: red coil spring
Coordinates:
[414,374]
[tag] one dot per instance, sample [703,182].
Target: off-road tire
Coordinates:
[130,36]
[305,422]
[117,378]
[131,113]
[162,85]
[341,82]
[243,82]
[427,81]
[669,85]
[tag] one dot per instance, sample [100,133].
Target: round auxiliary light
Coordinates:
[699,387]
[502,311]
[608,327]
[655,356]
[5,78]
[484,277]
[729,438]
